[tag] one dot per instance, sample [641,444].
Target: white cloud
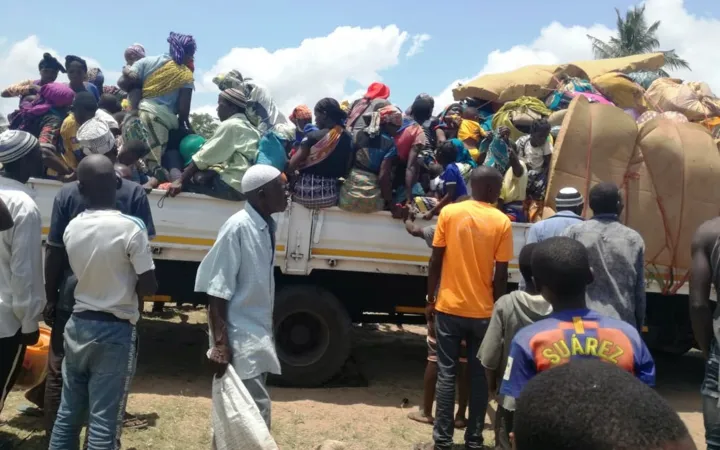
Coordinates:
[418,41]
[319,67]
[206,109]
[694,38]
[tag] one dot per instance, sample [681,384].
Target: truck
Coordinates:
[335,269]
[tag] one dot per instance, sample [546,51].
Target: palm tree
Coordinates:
[634,37]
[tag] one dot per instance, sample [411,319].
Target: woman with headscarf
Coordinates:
[374,99]
[43,119]
[470,132]
[261,108]
[134,53]
[368,187]
[324,156]
[77,72]
[301,116]
[410,142]
[49,67]
[449,124]
[217,169]
[97,78]
[160,92]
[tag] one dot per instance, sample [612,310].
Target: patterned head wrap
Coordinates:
[95,76]
[390,115]
[301,112]
[180,46]
[14,144]
[50,62]
[232,79]
[134,52]
[94,136]
[235,96]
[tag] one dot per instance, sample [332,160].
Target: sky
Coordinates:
[304,51]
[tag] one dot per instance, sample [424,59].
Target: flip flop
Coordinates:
[30,411]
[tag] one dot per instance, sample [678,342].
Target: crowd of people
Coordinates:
[582,296]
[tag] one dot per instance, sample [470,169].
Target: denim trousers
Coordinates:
[100,360]
[711,397]
[449,332]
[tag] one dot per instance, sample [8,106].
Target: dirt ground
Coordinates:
[172,390]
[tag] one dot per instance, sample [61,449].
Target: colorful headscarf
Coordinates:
[390,115]
[50,62]
[181,45]
[134,52]
[95,76]
[345,105]
[52,95]
[301,112]
[235,96]
[232,79]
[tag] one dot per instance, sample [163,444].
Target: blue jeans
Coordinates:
[100,361]
[711,397]
[449,333]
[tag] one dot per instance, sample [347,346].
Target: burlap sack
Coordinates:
[695,100]
[595,144]
[556,118]
[621,90]
[672,190]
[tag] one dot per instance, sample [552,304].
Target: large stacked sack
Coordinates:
[595,144]
[693,99]
[541,80]
[519,114]
[621,90]
[673,188]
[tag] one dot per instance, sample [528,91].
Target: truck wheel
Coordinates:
[312,335]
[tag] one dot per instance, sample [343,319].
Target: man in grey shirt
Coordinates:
[617,258]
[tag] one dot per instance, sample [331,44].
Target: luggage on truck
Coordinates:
[595,144]
[672,189]
[360,193]
[647,116]
[621,90]
[694,99]
[522,110]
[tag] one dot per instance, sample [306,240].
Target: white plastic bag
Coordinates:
[236,420]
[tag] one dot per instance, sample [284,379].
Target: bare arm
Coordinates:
[700,282]
[298,158]
[221,352]
[500,280]
[440,136]
[434,271]
[385,180]
[54,162]
[446,200]
[146,284]
[183,106]
[411,172]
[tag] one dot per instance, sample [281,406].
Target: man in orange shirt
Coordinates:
[473,241]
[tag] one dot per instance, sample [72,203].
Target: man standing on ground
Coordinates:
[617,258]
[60,282]
[109,253]
[21,295]
[471,250]
[569,204]
[705,317]
[237,275]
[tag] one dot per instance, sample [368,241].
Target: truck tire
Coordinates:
[312,335]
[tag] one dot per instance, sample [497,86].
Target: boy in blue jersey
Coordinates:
[561,271]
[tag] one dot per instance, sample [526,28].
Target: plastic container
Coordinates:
[34,365]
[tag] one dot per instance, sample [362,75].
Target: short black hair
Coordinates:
[331,108]
[422,108]
[605,198]
[85,101]
[562,265]
[540,126]
[525,262]
[109,103]
[593,405]
[446,153]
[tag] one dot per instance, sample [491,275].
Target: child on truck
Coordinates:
[450,185]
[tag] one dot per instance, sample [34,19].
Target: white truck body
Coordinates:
[331,239]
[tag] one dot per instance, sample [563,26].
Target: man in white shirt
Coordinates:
[22,297]
[110,254]
[237,275]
